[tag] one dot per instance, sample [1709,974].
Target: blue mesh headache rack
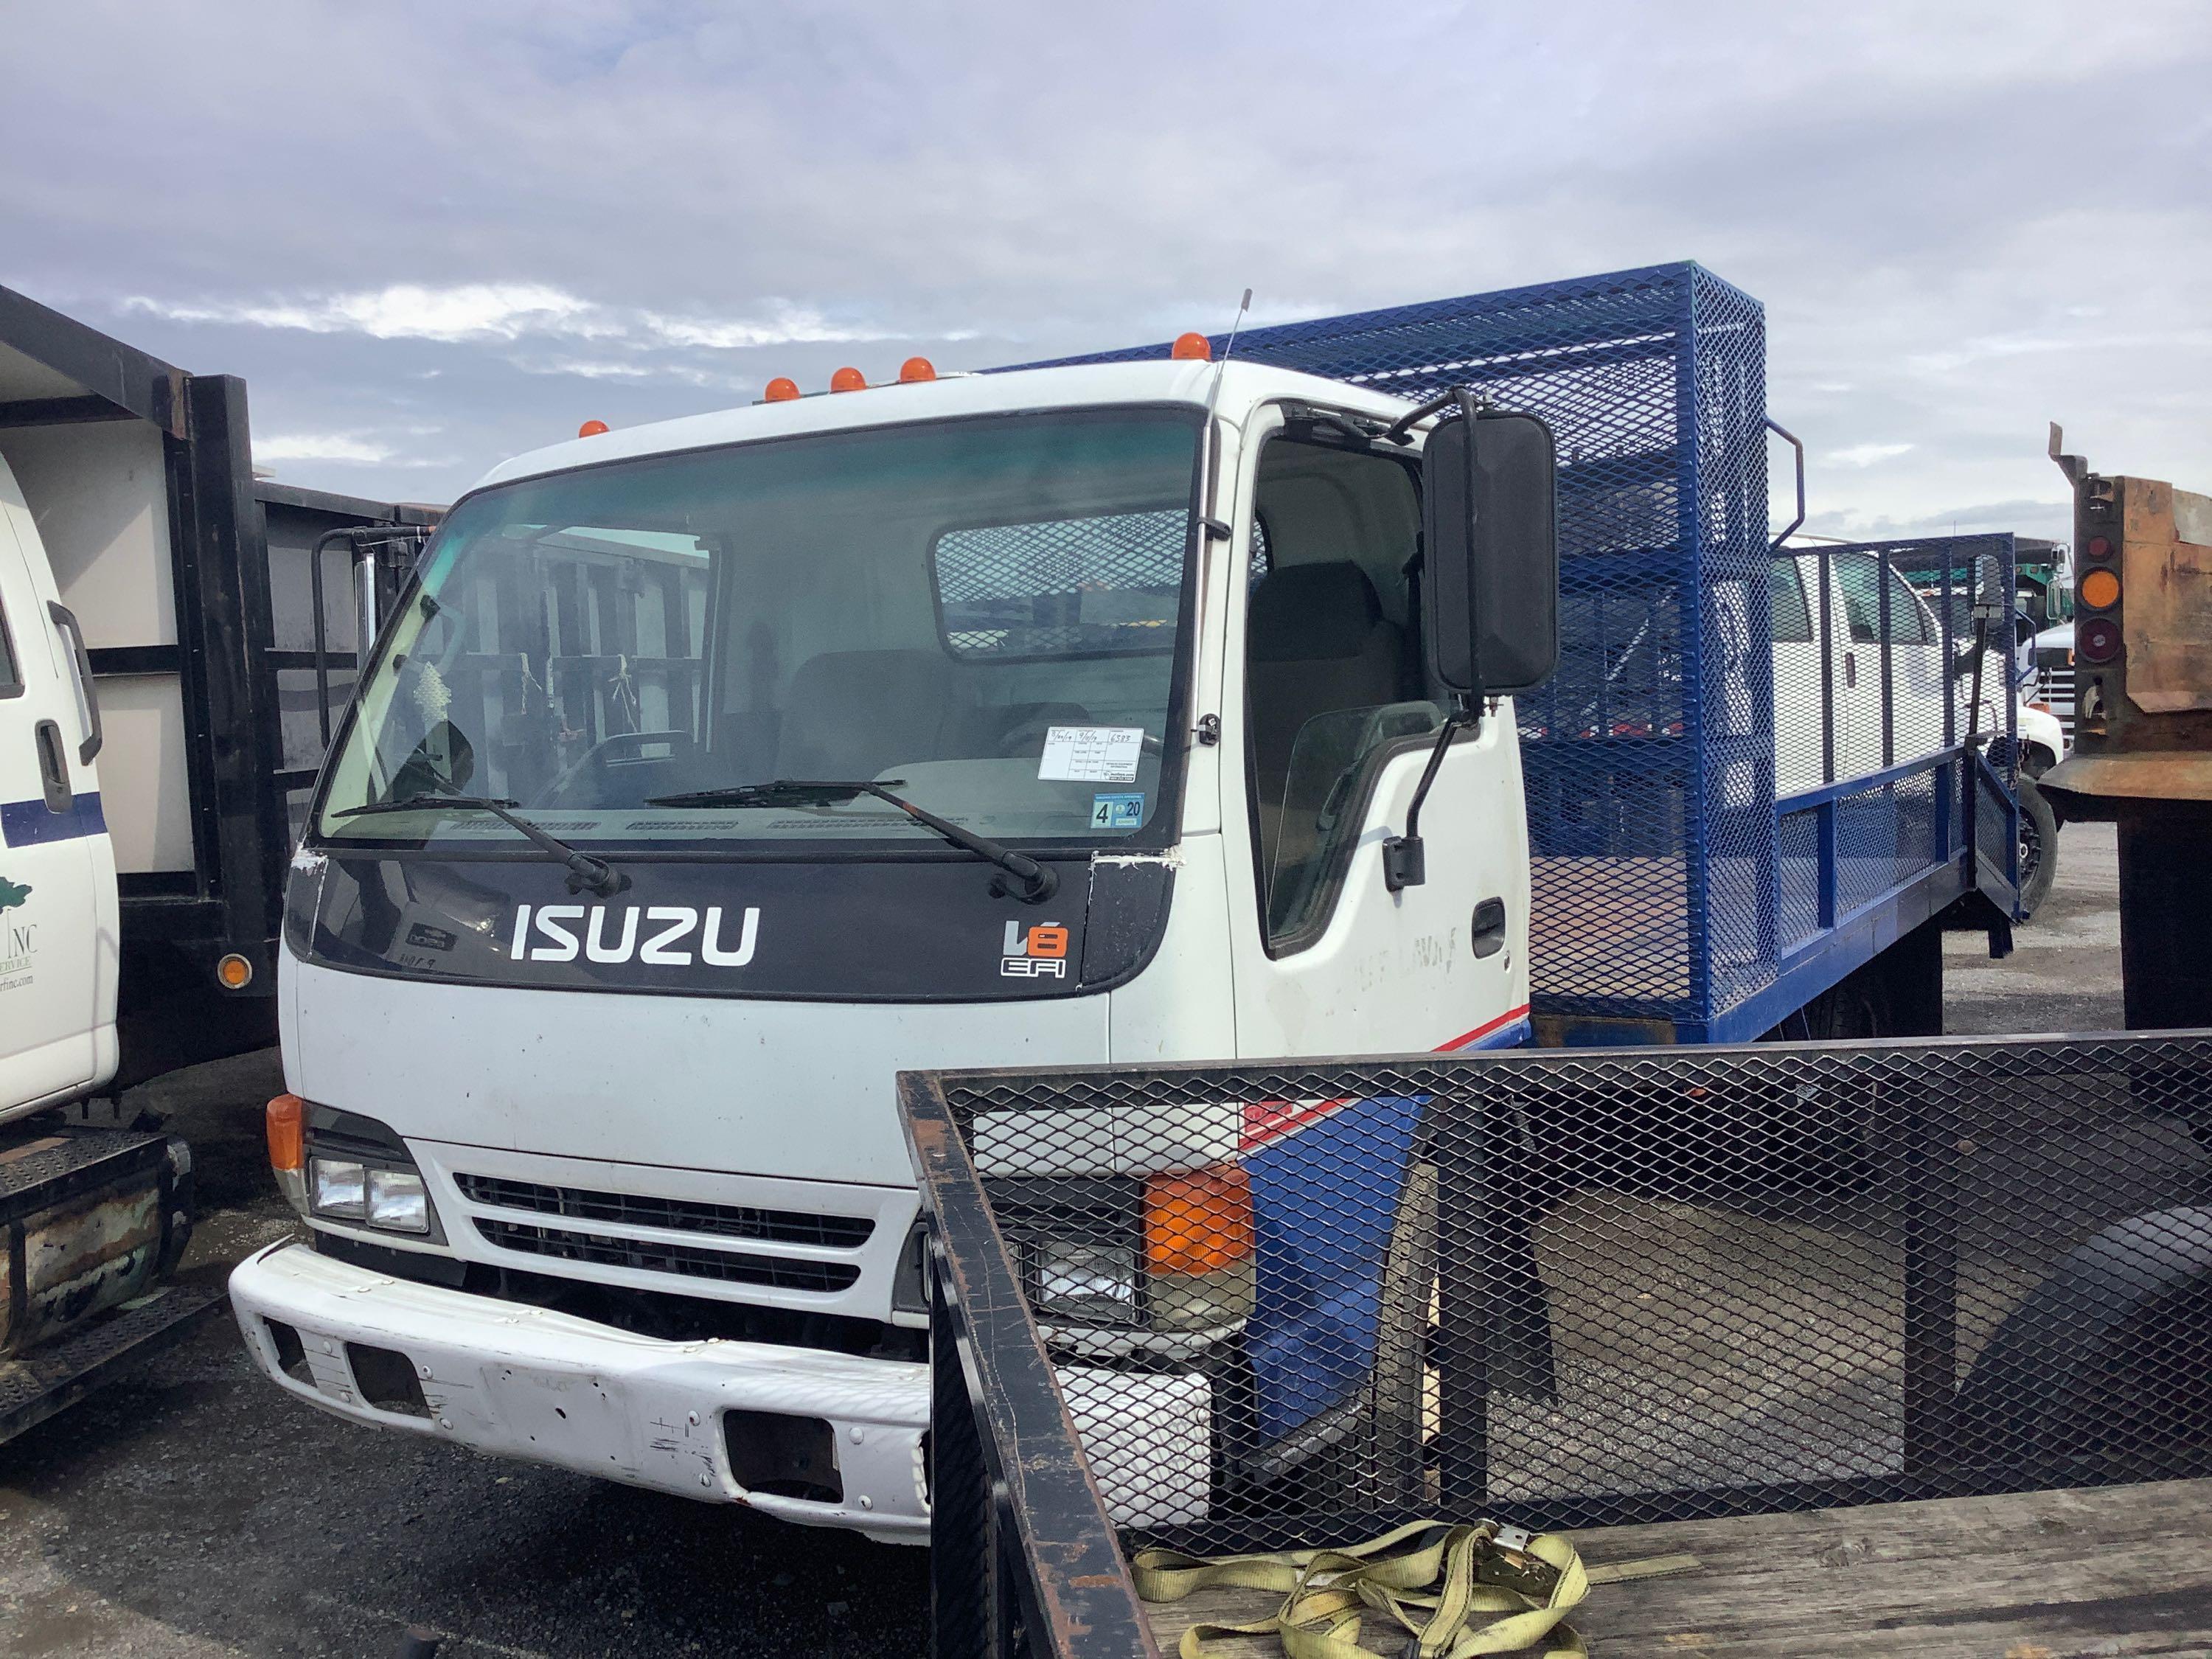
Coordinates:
[1676,899]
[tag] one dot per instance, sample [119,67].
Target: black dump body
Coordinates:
[191,580]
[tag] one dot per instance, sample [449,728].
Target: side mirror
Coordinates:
[1490,521]
[1491,588]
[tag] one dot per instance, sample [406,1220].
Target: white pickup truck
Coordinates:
[58,893]
[90,1220]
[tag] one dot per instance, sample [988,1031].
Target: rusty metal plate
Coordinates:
[2166,596]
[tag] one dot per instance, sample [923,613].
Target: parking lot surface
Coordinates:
[192,1510]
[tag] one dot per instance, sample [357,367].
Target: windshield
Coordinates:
[982,615]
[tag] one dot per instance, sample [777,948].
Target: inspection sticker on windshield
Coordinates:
[1117,811]
[1091,754]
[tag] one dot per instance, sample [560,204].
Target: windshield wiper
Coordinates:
[586,874]
[1039,881]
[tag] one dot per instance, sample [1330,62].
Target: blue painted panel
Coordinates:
[30,822]
[1322,1200]
[1324,1197]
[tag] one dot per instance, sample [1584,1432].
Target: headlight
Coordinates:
[391,1199]
[396,1199]
[1086,1284]
[352,1169]
[339,1188]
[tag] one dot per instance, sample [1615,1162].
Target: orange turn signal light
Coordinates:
[1192,348]
[287,1134]
[1199,1221]
[849,379]
[591,428]
[234,972]
[782,389]
[2100,590]
[916,368]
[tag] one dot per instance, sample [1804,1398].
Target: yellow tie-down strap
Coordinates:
[1455,1591]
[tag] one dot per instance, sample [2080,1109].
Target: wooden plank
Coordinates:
[2115,1571]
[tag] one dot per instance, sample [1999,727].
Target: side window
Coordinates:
[1109,585]
[1859,575]
[1785,592]
[1909,621]
[1333,677]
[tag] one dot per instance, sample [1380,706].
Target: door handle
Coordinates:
[88,699]
[1489,930]
[53,769]
[1850,671]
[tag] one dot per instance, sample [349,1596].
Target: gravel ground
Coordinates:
[192,1510]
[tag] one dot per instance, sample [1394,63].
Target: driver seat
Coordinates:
[852,715]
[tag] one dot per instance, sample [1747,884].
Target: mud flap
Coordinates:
[1993,835]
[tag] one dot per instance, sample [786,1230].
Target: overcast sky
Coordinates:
[432,235]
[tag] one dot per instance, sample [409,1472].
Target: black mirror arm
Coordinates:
[1401,430]
[1404,861]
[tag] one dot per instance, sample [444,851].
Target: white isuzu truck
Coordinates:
[599,1147]
[714,771]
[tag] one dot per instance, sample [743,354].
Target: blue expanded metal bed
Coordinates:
[1651,760]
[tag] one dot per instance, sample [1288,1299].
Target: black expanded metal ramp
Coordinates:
[53,1377]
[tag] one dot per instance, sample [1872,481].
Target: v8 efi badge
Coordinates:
[1038,952]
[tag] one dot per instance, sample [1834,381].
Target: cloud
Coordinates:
[349,448]
[470,312]
[671,201]
[787,325]
[1865,455]
[321,447]
[404,310]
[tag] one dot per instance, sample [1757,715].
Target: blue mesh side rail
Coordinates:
[1647,764]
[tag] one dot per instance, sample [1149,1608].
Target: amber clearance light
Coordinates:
[1198,1221]
[287,1141]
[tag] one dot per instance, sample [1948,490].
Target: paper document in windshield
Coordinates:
[1091,754]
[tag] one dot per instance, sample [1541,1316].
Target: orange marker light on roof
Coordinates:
[782,389]
[916,368]
[1191,348]
[849,379]
[591,428]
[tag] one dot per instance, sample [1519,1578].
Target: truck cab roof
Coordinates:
[1243,386]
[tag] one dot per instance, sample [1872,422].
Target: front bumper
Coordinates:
[548,1387]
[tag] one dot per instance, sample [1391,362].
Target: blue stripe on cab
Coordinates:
[28,823]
